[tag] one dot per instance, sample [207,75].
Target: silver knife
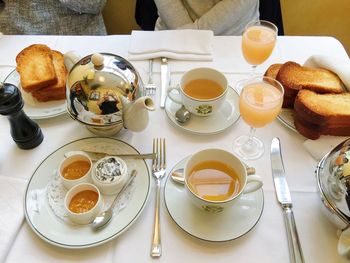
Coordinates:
[164,80]
[285,200]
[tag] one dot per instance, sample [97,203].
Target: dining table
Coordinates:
[266,241]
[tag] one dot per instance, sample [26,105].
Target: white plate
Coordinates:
[286,117]
[52,229]
[41,110]
[224,118]
[228,225]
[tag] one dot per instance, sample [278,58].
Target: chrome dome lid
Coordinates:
[94,86]
[333,179]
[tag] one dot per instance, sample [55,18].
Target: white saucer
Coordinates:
[227,115]
[228,225]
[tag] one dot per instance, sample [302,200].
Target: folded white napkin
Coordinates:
[320,147]
[340,66]
[184,44]
[11,211]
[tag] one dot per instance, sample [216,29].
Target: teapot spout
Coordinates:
[135,114]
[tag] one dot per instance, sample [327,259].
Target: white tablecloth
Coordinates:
[267,241]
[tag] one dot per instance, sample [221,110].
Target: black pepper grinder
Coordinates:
[25,132]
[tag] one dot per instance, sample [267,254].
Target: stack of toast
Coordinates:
[318,97]
[42,72]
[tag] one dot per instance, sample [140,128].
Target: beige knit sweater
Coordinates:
[223,17]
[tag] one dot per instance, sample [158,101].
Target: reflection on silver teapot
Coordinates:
[104,93]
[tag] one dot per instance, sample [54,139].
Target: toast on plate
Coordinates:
[56,91]
[322,114]
[295,77]
[35,67]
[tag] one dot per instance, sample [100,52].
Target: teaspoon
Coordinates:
[104,218]
[182,115]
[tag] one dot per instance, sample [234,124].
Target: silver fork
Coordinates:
[158,172]
[150,87]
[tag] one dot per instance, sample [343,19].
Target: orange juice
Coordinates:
[260,103]
[257,44]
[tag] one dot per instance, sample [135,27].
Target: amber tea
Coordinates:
[214,181]
[203,89]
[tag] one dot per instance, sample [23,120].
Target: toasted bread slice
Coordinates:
[58,90]
[316,114]
[35,67]
[294,77]
[272,71]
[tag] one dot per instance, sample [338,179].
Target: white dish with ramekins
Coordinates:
[49,219]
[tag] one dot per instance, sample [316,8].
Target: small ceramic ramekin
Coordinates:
[69,158]
[109,174]
[83,217]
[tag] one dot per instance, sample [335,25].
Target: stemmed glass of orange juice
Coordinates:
[260,102]
[258,42]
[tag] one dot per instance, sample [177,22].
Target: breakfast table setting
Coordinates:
[34,229]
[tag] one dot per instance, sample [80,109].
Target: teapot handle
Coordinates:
[71,58]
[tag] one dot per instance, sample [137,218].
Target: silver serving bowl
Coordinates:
[333,181]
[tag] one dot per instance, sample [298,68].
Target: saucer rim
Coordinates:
[184,128]
[176,166]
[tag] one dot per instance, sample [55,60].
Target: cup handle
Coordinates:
[254,182]
[175,96]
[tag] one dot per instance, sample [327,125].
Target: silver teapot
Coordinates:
[333,181]
[104,93]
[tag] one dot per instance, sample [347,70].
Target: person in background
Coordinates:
[146,14]
[223,17]
[52,17]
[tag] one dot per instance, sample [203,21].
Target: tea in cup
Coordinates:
[202,91]
[215,179]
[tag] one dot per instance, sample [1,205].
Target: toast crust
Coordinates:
[35,67]
[58,90]
[294,77]
[273,70]
[327,109]
[322,114]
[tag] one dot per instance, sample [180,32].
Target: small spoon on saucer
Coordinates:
[178,175]
[182,115]
[104,218]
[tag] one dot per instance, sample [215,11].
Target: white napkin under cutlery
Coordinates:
[11,211]
[184,44]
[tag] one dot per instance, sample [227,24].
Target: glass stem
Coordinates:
[252,74]
[251,135]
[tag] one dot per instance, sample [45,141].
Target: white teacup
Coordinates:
[202,91]
[223,186]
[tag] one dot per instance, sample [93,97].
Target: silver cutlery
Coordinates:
[96,154]
[105,217]
[158,172]
[164,80]
[285,200]
[150,87]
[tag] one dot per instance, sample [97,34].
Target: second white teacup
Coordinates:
[202,91]
[215,179]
